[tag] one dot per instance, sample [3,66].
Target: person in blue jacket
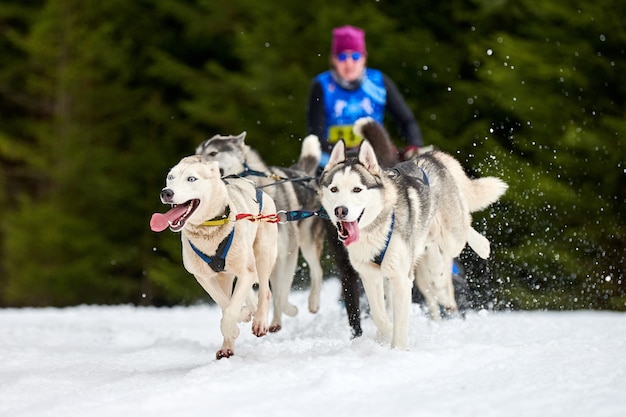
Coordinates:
[350,90]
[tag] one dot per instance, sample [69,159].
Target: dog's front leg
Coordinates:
[401,286]
[374,289]
[245,279]
[216,286]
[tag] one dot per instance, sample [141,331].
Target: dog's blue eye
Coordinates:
[356,190]
[191,179]
[170,177]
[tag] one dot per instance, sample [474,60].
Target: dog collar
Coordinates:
[219,220]
[379,258]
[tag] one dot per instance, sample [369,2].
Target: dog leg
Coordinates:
[434,280]
[479,243]
[423,281]
[215,288]
[251,306]
[349,279]
[312,251]
[373,283]
[231,314]
[401,286]
[265,251]
[281,280]
[220,289]
[259,324]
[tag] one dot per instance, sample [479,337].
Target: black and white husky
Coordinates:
[293,190]
[404,224]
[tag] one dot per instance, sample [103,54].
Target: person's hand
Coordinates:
[410,152]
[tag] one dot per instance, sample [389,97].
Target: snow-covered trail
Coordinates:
[121,360]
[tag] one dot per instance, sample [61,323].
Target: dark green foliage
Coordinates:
[99,99]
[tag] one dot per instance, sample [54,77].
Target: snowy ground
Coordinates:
[122,361]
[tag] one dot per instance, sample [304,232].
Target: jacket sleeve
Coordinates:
[315,114]
[402,115]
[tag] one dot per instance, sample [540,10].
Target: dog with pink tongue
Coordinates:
[216,247]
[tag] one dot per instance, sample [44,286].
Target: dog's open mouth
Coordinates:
[174,218]
[348,232]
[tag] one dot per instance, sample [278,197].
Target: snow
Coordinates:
[123,360]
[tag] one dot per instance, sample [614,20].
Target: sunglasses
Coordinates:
[342,56]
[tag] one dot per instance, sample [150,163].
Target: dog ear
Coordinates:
[201,147]
[338,154]
[212,169]
[191,159]
[367,157]
[241,137]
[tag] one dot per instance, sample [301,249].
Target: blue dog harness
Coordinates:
[217,262]
[378,259]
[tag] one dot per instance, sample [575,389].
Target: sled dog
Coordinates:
[292,189]
[217,247]
[404,224]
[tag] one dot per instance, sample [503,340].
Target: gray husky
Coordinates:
[293,190]
[404,224]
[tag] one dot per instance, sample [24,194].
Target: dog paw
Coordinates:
[479,243]
[314,304]
[224,353]
[291,310]
[259,329]
[275,328]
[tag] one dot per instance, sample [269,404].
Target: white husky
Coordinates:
[293,190]
[216,247]
[403,224]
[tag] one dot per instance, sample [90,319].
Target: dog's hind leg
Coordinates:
[281,280]
[265,250]
[311,249]
[479,243]
[251,306]
[434,280]
[282,274]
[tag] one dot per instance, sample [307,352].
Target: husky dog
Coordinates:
[404,224]
[216,249]
[292,189]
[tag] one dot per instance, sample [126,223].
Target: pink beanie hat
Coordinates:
[348,38]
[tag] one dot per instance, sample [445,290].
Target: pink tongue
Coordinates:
[160,222]
[353,232]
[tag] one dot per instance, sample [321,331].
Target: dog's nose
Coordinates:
[341,212]
[167,195]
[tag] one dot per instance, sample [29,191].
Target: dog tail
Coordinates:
[479,193]
[377,136]
[310,155]
[484,192]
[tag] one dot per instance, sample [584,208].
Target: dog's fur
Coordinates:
[431,199]
[198,193]
[292,189]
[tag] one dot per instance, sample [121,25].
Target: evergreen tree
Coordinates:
[100,99]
